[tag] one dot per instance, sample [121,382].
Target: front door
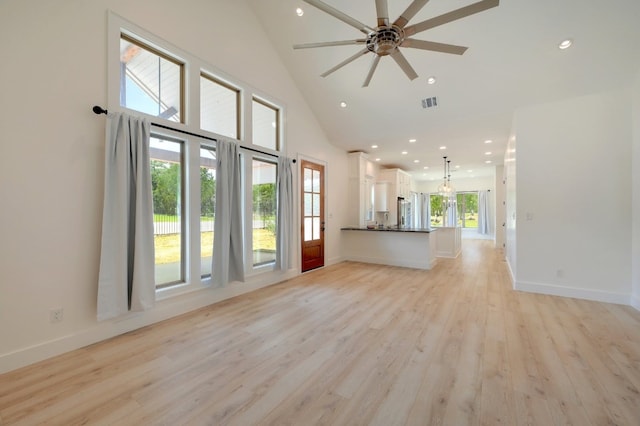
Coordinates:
[312,215]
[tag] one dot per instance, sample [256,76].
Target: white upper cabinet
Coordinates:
[361,189]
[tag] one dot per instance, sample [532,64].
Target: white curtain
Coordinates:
[452,211]
[424,210]
[285,213]
[227,264]
[483,212]
[126,280]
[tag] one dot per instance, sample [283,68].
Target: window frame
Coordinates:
[250,266]
[183,212]
[192,69]
[145,44]
[222,82]
[266,103]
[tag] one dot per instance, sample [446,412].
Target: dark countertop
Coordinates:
[389,229]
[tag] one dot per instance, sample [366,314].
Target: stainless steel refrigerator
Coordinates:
[405,213]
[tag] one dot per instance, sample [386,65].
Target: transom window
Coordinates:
[219,106]
[150,81]
[266,125]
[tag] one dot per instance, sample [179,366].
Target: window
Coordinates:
[149,77]
[219,105]
[264,212]
[266,125]
[150,81]
[467,209]
[207,207]
[166,183]
[437,210]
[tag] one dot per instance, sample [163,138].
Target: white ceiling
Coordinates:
[512,61]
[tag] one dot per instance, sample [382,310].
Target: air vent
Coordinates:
[429,102]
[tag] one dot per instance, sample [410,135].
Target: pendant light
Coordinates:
[445,189]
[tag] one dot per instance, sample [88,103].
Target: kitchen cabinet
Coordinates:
[381,197]
[361,189]
[398,183]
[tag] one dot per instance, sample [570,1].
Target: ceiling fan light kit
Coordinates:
[385,39]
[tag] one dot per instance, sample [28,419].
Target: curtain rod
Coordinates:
[99,110]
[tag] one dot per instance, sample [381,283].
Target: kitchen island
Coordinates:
[408,247]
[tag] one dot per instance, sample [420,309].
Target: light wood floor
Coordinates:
[355,344]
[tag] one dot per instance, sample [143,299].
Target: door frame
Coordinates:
[298,206]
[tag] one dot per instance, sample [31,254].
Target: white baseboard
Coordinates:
[576,293]
[163,310]
[334,261]
[635,301]
[448,254]
[511,274]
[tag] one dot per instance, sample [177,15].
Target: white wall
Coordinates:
[500,206]
[635,250]
[510,175]
[574,197]
[51,156]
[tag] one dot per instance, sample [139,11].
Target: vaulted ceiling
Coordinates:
[513,60]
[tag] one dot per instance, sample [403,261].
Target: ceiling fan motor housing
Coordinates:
[385,39]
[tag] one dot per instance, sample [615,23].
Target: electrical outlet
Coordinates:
[55,315]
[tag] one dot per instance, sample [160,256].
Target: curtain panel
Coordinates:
[227,262]
[285,213]
[483,212]
[126,279]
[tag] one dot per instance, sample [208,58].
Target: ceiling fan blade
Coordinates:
[339,15]
[372,69]
[383,12]
[451,16]
[404,64]
[433,46]
[411,11]
[329,43]
[345,62]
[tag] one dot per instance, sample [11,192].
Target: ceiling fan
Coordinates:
[386,38]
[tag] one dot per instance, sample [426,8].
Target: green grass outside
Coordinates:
[167,247]
[471,221]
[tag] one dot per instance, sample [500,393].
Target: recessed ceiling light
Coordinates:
[488,141]
[412,140]
[487,153]
[377,159]
[565,44]
[374,146]
[458,166]
[469,171]
[416,161]
[299,12]
[425,167]
[488,161]
[343,104]
[443,147]
[431,80]
[404,152]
